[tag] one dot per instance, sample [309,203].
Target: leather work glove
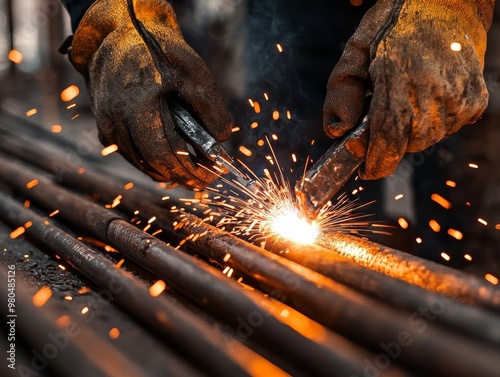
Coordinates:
[422,60]
[133,57]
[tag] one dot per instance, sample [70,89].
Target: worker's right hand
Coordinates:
[133,57]
[422,61]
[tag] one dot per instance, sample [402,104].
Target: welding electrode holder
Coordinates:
[332,170]
[205,144]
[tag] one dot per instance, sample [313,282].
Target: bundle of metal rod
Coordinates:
[52,333]
[191,336]
[321,354]
[356,316]
[414,270]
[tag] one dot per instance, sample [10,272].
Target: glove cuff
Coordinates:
[107,16]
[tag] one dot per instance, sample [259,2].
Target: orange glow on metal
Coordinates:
[32,183]
[114,333]
[63,321]
[157,288]
[56,128]
[17,232]
[31,112]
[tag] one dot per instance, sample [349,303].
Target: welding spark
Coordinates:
[270,211]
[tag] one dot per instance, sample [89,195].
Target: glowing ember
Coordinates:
[109,149]
[70,93]
[441,201]
[16,233]
[445,256]
[31,112]
[42,296]
[403,223]
[492,279]
[32,183]
[455,46]
[56,128]
[435,226]
[244,150]
[482,221]
[15,56]
[157,288]
[114,333]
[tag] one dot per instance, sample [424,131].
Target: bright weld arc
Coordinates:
[271,211]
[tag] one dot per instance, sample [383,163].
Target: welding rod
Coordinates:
[194,338]
[194,278]
[325,178]
[347,312]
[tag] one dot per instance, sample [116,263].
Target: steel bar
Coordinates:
[71,341]
[417,271]
[195,339]
[398,293]
[202,283]
[351,314]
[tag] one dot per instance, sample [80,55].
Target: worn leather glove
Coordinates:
[423,62]
[133,57]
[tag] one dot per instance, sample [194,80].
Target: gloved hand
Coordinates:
[423,62]
[133,56]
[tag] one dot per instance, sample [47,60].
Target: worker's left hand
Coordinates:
[422,60]
[135,60]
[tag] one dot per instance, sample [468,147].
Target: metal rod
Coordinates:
[182,329]
[395,292]
[345,311]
